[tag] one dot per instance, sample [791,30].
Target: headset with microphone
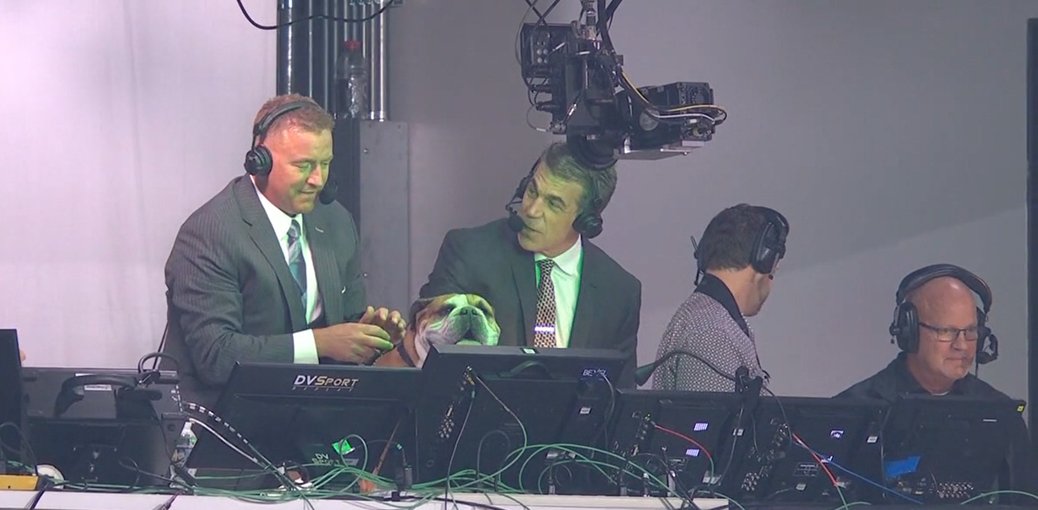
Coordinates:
[588,223]
[769,245]
[259,161]
[904,330]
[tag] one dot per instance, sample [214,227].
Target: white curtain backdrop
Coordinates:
[118,119]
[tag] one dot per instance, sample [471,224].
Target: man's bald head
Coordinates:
[942,305]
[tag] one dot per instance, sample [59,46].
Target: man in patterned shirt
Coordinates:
[736,258]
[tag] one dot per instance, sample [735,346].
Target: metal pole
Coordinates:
[1032,220]
[284,47]
[379,65]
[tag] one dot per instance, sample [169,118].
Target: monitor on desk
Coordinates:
[12,415]
[103,426]
[679,432]
[484,407]
[774,462]
[948,449]
[311,418]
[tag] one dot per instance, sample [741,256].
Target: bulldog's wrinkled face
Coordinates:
[443,320]
[453,319]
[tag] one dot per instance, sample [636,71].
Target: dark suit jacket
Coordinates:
[229,293]
[488,261]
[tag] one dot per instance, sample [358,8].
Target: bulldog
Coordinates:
[443,320]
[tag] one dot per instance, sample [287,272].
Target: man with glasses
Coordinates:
[941,332]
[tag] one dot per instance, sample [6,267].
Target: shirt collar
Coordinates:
[713,286]
[568,261]
[278,219]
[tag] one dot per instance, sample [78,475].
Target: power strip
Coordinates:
[18,482]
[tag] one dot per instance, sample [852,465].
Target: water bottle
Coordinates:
[351,82]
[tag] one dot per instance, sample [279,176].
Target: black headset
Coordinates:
[769,246]
[904,330]
[588,223]
[258,160]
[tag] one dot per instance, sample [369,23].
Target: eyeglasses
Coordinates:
[970,334]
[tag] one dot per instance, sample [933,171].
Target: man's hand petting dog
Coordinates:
[351,342]
[390,321]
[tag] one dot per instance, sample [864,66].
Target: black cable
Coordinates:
[137,469]
[610,10]
[44,485]
[540,17]
[547,12]
[168,503]
[479,452]
[731,453]
[158,357]
[27,448]
[253,22]
[454,451]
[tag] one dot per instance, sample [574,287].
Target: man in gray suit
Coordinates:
[263,272]
[548,284]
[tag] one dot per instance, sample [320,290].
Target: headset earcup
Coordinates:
[987,343]
[588,224]
[905,328]
[258,161]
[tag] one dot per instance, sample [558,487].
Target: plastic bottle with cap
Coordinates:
[351,82]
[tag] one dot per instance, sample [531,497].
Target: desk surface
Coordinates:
[58,499]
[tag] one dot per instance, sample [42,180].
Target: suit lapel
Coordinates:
[583,317]
[329,285]
[262,233]
[523,275]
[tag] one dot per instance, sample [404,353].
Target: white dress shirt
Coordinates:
[304,345]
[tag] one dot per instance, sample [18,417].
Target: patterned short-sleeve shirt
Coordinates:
[704,326]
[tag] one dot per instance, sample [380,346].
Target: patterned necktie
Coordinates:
[296,262]
[544,328]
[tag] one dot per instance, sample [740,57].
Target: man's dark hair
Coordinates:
[728,240]
[600,183]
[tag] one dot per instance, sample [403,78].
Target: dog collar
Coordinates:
[404,355]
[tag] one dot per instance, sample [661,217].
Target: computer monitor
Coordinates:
[774,465]
[948,449]
[312,418]
[678,432]
[103,426]
[12,417]
[477,401]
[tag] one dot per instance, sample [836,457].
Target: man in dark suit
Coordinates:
[548,284]
[263,272]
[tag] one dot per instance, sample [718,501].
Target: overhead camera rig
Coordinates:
[572,72]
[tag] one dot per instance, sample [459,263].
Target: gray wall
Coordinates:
[890,133]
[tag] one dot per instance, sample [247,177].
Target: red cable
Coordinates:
[686,438]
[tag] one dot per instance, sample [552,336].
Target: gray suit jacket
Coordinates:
[229,293]
[488,261]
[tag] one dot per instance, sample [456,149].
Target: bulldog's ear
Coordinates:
[416,308]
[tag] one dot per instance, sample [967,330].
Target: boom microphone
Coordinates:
[330,191]
[515,223]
